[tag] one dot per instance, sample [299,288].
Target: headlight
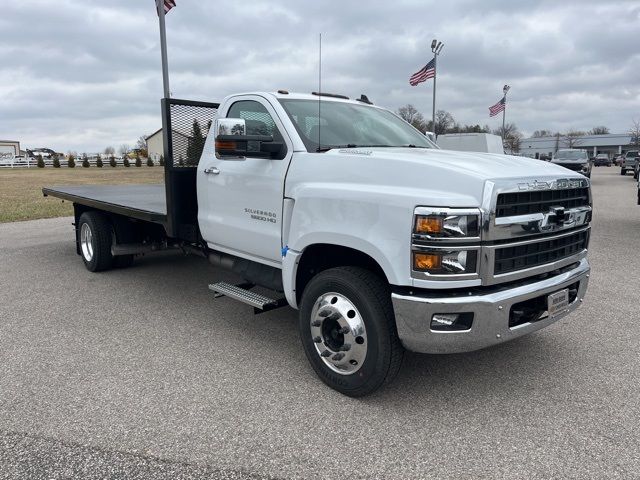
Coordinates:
[446,243]
[446,225]
[446,262]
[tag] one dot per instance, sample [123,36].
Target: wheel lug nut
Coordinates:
[338,356]
[325,354]
[346,347]
[316,323]
[317,339]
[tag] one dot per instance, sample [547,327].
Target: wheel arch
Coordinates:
[318,257]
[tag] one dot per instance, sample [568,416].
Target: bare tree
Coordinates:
[124,149]
[600,130]
[634,131]
[109,151]
[573,138]
[510,129]
[475,129]
[141,143]
[542,133]
[512,142]
[411,115]
[511,137]
[444,121]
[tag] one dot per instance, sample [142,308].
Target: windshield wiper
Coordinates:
[331,147]
[353,145]
[408,145]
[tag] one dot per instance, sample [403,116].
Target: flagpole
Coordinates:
[436,47]
[505,89]
[433,110]
[163,48]
[504,110]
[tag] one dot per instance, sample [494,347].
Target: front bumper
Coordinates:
[491,311]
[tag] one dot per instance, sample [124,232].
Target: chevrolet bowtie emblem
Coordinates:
[557,215]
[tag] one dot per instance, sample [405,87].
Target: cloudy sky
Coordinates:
[84,74]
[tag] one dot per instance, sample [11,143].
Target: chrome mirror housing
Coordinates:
[230,126]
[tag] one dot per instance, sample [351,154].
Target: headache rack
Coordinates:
[185,126]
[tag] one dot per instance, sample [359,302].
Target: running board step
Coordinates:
[260,303]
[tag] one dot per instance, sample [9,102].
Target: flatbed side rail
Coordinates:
[99,204]
[185,126]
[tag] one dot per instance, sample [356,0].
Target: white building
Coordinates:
[611,143]
[9,149]
[155,143]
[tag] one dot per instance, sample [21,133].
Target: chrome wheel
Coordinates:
[86,242]
[338,333]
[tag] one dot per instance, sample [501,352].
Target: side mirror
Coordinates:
[231,140]
[230,126]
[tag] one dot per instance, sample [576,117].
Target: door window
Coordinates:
[257,119]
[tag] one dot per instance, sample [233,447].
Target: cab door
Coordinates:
[243,197]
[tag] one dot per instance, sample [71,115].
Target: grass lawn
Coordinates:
[21,188]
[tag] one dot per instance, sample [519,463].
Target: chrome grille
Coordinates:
[524,203]
[513,258]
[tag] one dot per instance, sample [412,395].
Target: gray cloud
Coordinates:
[84,74]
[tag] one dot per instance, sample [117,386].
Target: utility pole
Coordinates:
[436,48]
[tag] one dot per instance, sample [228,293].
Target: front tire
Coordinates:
[348,332]
[95,238]
[623,171]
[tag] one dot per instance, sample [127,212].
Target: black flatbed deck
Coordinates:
[143,202]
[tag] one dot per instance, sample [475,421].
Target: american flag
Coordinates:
[497,108]
[425,73]
[168,5]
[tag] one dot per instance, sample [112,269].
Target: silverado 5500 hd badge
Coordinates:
[262,215]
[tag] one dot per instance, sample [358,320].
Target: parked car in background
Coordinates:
[602,159]
[576,160]
[617,159]
[629,162]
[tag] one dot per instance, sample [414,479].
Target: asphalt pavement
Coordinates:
[140,373]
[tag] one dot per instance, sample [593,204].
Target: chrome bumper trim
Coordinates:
[491,313]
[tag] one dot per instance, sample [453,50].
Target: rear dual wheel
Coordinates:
[95,237]
[348,330]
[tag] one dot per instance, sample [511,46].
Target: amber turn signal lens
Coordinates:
[225,145]
[427,261]
[428,224]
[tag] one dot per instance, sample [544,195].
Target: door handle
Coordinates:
[212,170]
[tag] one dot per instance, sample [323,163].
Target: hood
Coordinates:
[482,166]
[413,176]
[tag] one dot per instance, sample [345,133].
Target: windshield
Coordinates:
[570,155]
[632,154]
[348,125]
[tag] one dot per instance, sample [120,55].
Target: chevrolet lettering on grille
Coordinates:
[555,185]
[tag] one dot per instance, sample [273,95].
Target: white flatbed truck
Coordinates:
[382,241]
